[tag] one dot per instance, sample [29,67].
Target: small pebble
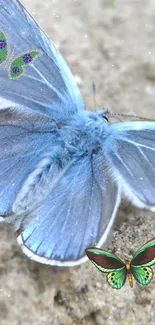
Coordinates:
[84,288]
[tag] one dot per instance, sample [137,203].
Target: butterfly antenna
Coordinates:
[132,116]
[94,94]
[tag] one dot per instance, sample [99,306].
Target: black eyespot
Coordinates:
[112,274]
[145,269]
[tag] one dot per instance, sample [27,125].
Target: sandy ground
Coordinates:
[111,43]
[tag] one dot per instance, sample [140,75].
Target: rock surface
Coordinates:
[110,43]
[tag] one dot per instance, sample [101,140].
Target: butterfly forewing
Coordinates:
[46,86]
[145,256]
[104,260]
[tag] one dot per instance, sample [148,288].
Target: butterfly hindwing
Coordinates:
[57,233]
[18,64]
[3,47]
[142,274]
[117,278]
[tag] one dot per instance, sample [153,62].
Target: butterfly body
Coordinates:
[128,271]
[63,170]
[130,279]
[84,134]
[127,265]
[117,271]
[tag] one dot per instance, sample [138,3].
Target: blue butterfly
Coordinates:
[63,170]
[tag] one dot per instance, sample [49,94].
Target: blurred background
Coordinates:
[110,43]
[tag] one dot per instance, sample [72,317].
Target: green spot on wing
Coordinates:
[4,48]
[19,63]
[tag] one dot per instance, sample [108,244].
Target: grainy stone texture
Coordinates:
[110,42]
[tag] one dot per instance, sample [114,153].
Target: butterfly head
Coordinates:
[103,113]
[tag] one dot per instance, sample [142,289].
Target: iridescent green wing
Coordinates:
[141,262]
[19,63]
[117,278]
[143,274]
[108,263]
[145,256]
[3,47]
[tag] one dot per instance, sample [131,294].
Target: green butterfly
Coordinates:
[118,271]
[17,65]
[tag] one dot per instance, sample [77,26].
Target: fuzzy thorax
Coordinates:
[127,265]
[84,133]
